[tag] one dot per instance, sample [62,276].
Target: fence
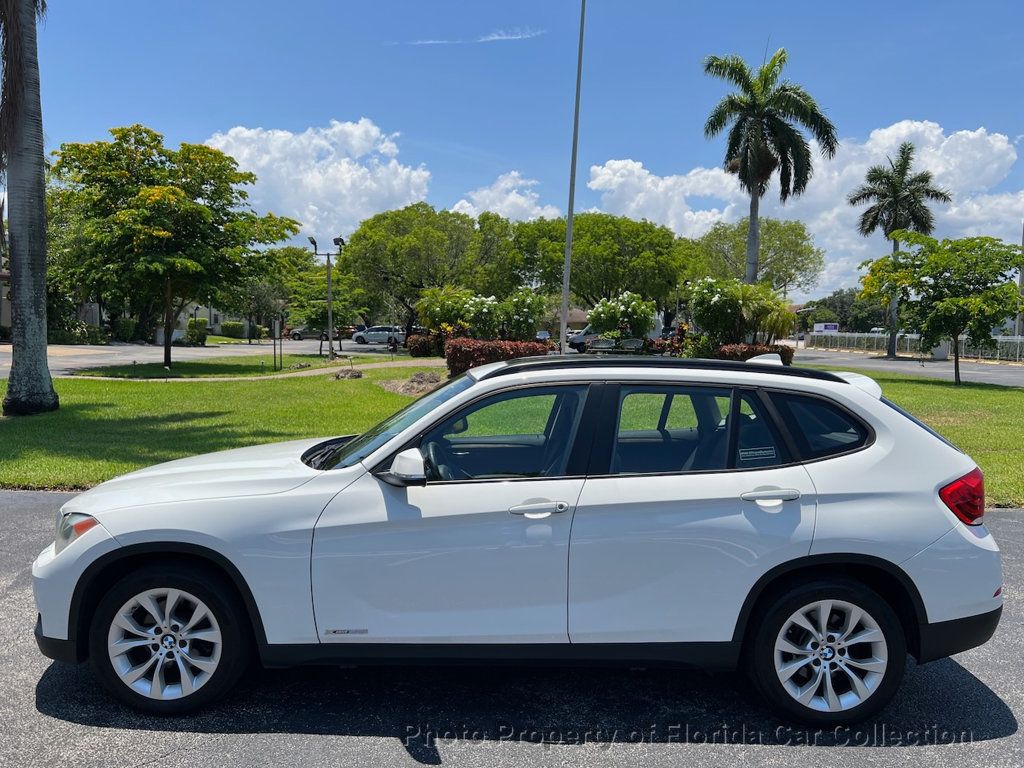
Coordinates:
[1005,348]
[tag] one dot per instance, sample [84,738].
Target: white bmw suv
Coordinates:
[644,510]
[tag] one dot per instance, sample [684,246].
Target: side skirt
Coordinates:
[711,655]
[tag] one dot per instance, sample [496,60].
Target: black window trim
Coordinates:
[579,453]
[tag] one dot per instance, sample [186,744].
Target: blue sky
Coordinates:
[473,122]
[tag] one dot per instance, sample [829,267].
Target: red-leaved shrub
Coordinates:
[746,351]
[422,346]
[463,354]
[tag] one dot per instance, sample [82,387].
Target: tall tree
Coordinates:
[763,118]
[160,227]
[29,388]
[788,258]
[898,200]
[396,254]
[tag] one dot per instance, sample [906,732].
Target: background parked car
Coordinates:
[298,334]
[380,334]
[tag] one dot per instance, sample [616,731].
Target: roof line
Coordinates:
[645,361]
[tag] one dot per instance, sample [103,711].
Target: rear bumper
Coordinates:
[58,650]
[944,638]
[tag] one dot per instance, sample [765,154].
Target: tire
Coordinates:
[877,661]
[323,337]
[208,658]
[360,339]
[296,337]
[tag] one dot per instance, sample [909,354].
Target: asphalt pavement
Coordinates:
[958,712]
[1010,375]
[64,359]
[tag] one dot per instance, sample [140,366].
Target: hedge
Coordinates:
[463,354]
[743,352]
[232,329]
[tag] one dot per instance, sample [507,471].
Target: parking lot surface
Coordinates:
[957,712]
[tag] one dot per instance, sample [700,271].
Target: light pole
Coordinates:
[1020,289]
[567,264]
[330,301]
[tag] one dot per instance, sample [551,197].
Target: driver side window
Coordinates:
[525,433]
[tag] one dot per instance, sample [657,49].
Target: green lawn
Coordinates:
[237,365]
[105,428]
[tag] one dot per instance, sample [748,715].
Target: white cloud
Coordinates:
[519,33]
[968,162]
[510,195]
[329,178]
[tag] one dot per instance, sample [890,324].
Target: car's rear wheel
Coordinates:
[828,653]
[296,337]
[168,639]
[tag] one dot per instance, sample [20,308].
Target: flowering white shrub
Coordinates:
[627,314]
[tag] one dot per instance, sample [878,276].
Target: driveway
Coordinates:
[64,359]
[981,373]
[954,712]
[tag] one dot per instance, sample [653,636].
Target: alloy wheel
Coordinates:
[831,655]
[164,643]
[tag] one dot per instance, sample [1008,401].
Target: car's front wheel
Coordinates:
[359,339]
[828,653]
[168,639]
[296,337]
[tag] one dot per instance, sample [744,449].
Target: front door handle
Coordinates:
[771,494]
[539,509]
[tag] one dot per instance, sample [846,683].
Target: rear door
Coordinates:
[694,495]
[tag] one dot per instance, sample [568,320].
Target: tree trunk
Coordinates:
[30,388]
[956,359]
[753,240]
[893,316]
[168,321]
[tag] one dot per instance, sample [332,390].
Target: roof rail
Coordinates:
[650,361]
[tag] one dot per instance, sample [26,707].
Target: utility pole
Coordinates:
[567,265]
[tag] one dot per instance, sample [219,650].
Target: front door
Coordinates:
[697,500]
[476,555]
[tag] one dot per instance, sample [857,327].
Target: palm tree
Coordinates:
[763,118]
[29,389]
[898,200]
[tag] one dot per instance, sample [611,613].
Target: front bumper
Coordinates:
[944,638]
[59,650]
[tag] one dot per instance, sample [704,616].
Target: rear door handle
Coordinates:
[771,494]
[539,509]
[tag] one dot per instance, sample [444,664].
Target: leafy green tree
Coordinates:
[898,200]
[611,255]
[29,386]
[845,306]
[763,118]
[397,254]
[788,257]
[160,227]
[961,288]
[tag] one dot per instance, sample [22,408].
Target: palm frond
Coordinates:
[792,102]
[769,73]
[729,108]
[732,69]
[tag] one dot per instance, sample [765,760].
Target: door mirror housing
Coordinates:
[407,468]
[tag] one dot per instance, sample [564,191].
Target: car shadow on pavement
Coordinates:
[425,707]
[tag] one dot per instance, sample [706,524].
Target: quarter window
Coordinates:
[820,428]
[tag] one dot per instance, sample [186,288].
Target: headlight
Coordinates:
[69,527]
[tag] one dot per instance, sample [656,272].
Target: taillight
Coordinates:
[966,497]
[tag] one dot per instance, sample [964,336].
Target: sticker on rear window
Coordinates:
[753,454]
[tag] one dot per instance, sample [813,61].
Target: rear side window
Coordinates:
[820,428]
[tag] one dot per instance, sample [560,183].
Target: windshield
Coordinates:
[359,448]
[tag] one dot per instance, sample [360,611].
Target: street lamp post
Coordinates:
[340,242]
[567,264]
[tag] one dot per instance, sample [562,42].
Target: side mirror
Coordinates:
[459,427]
[407,468]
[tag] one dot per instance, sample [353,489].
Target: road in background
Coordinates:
[956,712]
[982,373]
[64,359]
